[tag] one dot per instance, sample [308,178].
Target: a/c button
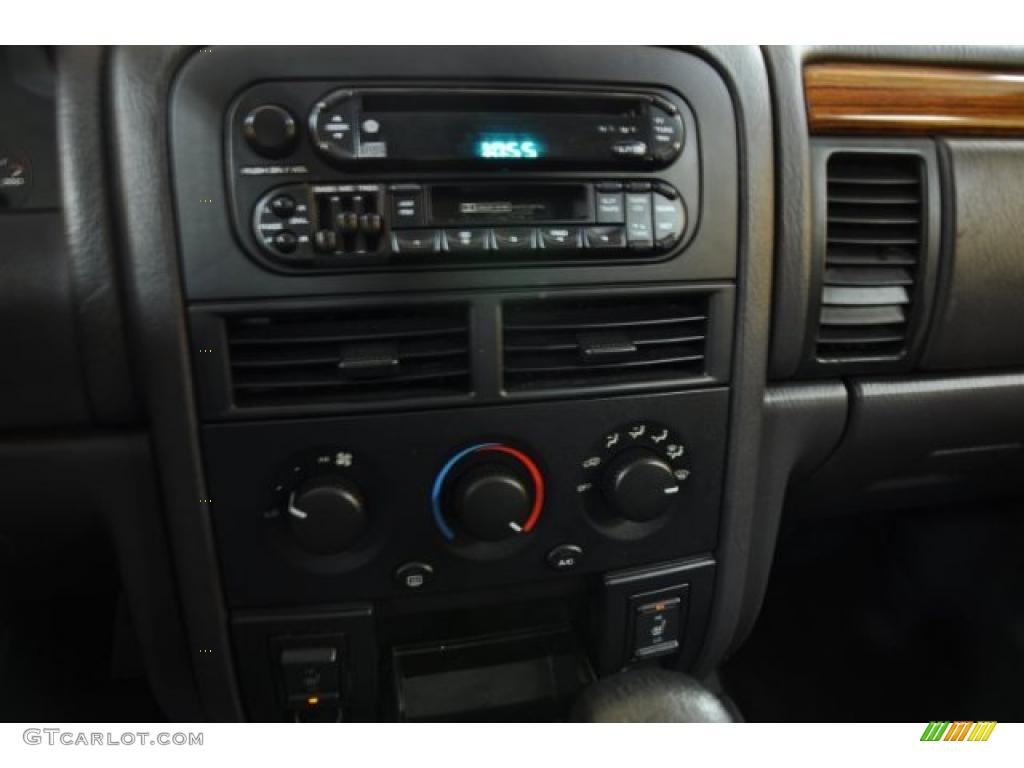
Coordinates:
[565,557]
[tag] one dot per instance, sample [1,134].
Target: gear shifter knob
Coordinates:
[649,695]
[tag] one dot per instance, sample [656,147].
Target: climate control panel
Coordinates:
[431,501]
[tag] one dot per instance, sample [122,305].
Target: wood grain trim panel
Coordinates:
[900,99]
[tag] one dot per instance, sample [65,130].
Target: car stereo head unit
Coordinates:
[465,127]
[329,176]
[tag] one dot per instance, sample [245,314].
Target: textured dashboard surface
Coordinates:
[978,326]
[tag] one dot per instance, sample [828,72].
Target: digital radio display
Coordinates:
[509,148]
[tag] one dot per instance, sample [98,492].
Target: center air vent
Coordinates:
[349,356]
[874,250]
[584,343]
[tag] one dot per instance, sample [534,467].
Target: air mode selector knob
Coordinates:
[640,485]
[327,515]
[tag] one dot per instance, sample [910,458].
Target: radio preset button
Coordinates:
[639,220]
[611,208]
[416,241]
[600,238]
[466,240]
[515,239]
[560,238]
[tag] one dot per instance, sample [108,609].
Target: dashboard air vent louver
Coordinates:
[349,356]
[873,251]
[581,343]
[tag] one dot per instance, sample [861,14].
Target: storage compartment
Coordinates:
[525,677]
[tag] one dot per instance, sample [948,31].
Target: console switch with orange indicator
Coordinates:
[310,675]
[657,621]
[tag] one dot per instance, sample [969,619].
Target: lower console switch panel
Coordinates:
[658,618]
[652,611]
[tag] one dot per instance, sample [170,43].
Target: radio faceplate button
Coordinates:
[666,134]
[560,238]
[611,208]
[325,240]
[516,239]
[285,241]
[406,208]
[332,124]
[466,240]
[669,221]
[283,206]
[639,221]
[599,238]
[630,148]
[416,241]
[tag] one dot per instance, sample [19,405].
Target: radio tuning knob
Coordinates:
[270,130]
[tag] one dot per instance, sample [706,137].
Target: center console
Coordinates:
[461,330]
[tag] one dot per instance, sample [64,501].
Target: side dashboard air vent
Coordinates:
[581,343]
[874,250]
[349,356]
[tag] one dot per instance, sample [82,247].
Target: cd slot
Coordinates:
[420,102]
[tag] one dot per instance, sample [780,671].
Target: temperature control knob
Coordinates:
[640,485]
[487,493]
[491,503]
[327,515]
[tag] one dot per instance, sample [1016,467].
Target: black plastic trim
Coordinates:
[86,198]
[139,79]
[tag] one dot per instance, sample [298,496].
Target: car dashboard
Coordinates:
[438,383]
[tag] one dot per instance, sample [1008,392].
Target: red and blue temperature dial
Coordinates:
[487,492]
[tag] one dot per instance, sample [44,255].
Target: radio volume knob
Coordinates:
[270,130]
